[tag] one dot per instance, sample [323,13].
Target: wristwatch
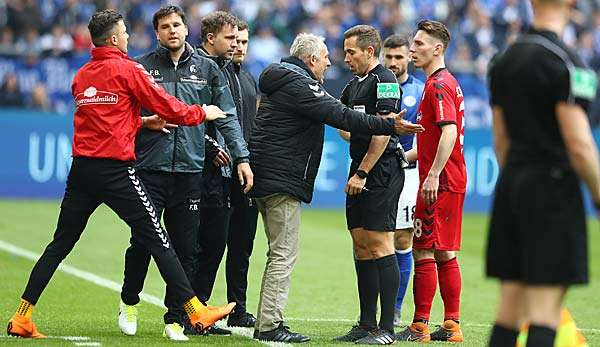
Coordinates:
[362,174]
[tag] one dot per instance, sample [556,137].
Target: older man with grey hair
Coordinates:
[286,146]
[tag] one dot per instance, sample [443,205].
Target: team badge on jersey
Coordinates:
[409,101]
[388,91]
[584,83]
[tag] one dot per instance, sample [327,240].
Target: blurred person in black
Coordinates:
[537,241]
[285,149]
[10,95]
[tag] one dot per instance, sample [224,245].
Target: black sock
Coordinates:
[503,337]
[368,290]
[540,336]
[389,281]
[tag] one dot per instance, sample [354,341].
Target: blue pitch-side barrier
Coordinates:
[37,157]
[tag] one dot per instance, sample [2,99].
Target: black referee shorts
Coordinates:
[537,233]
[377,206]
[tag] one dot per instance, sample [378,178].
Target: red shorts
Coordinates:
[438,226]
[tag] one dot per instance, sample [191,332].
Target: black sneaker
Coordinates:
[356,333]
[215,330]
[377,337]
[189,329]
[242,319]
[282,334]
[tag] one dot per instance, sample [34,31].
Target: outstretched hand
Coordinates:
[154,122]
[213,112]
[404,127]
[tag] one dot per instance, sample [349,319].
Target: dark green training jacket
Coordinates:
[195,80]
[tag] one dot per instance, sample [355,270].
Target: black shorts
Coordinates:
[377,206]
[538,231]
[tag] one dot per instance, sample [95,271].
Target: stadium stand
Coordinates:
[43,42]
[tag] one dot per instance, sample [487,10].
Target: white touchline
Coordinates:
[151,299]
[66,338]
[346,320]
[112,285]
[75,339]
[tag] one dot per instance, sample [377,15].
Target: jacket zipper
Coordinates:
[240,101]
[175,130]
[307,164]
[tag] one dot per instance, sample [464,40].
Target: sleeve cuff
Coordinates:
[446,122]
[242,160]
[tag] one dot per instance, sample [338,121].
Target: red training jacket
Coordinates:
[109,92]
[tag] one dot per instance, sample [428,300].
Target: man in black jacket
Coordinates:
[285,149]
[244,214]
[171,165]
[223,196]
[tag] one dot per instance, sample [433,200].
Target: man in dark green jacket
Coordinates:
[171,165]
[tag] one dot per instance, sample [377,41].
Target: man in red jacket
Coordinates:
[109,92]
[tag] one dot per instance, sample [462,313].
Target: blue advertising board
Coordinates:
[37,157]
[37,154]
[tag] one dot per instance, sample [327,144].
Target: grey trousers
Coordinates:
[281,218]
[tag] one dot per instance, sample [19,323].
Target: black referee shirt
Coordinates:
[527,81]
[376,92]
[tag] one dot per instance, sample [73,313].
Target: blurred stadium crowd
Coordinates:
[43,42]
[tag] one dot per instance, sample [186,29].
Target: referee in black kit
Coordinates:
[537,244]
[374,184]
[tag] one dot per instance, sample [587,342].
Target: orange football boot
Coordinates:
[209,315]
[449,332]
[23,327]
[417,332]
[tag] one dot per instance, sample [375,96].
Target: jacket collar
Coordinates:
[101,53]
[222,62]
[297,65]
[164,53]
[543,32]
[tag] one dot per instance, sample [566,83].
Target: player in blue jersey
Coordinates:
[396,58]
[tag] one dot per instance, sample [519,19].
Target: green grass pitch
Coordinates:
[323,300]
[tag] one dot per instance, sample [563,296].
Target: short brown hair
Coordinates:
[366,36]
[215,21]
[165,11]
[435,29]
[102,24]
[396,41]
[242,25]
